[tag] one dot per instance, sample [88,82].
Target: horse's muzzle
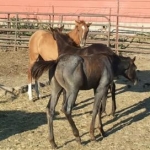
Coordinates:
[83,43]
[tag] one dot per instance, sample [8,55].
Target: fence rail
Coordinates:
[16,29]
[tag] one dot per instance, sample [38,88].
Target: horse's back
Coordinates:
[100,49]
[42,43]
[83,72]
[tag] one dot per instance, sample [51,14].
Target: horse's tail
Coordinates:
[40,66]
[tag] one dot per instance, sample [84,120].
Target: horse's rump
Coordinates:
[42,43]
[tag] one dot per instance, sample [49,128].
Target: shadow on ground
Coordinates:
[143,84]
[143,107]
[14,122]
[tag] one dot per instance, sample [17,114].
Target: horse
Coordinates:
[72,73]
[64,47]
[43,46]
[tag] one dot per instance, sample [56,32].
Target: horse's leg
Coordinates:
[36,57]
[67,109]
[113,90]
[104,103]
[29,83]
[32,58]
[101,90]
[102,106]
[64,99]
[92,126]
[37,85]
[100,120]
[55,93]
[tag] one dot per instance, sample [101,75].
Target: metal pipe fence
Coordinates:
[17,27]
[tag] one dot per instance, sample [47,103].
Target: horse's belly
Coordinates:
[89,85]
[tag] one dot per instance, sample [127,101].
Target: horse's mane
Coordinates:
[68,40]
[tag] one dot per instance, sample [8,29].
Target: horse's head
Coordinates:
[63,37]
[82,29]
[59,29]
[130,69]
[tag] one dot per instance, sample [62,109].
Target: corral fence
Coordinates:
[17,27]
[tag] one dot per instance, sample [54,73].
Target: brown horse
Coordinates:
[42,45]
[73,73]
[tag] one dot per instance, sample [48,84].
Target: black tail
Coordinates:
[40,66]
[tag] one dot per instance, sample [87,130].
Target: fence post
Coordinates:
[8,23]
[117,26]
[53,16]
[15,46]
[49,20]
[109,26]
[61,20]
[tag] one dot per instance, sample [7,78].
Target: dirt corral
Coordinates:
[23,124]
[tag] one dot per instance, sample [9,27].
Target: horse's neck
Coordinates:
[62,44]
[64,47]
[118,65]
[74,35]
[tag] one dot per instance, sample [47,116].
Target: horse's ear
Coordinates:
[61,28]
[77,22]
[88,24]
[51,29]
[134,59]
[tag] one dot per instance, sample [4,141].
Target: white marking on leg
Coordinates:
[30,91]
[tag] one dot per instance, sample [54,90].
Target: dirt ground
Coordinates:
[23,124]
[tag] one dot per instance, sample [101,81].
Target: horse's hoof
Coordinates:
[53,146]
[39,97]
[103,134]
[62,110]
[93,139]
[111,114]
[34,99]
[30,98]
[104,114]
[78,139]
